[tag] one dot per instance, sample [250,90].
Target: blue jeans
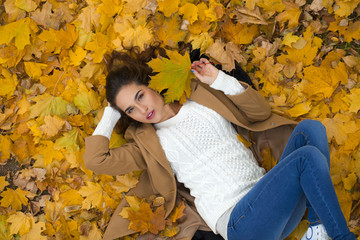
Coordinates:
[276,204]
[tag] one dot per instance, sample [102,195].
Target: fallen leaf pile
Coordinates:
[303,56]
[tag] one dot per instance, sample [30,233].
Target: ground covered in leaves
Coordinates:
[303,56]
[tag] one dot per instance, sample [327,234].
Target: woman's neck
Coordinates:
[173,109]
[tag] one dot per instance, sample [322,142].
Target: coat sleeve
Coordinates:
[102,160]
[252,104]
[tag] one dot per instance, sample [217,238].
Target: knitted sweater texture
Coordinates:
[205,155]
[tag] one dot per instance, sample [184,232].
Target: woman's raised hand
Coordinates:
[204,71]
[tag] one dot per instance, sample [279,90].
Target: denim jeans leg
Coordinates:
[309,132]
[272,209]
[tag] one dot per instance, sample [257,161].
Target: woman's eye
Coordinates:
[140,96]
[130,110]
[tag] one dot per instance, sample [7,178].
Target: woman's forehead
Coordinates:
[127,94]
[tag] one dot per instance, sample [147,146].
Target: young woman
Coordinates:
[196,144]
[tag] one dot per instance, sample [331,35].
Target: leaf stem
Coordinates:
[53,94]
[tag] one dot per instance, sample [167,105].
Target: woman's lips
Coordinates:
[150,115]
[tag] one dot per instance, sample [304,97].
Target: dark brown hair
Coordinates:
[125,68]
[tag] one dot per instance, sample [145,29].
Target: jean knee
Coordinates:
[314,155]
[311,124]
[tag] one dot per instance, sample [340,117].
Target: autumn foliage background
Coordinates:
[303,56]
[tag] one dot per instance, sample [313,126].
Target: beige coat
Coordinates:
[248,111]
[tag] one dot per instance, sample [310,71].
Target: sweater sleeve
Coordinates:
[228,84]
[107,122]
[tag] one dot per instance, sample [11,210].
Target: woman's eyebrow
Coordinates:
[136,96]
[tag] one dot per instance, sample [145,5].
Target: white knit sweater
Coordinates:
[205,155]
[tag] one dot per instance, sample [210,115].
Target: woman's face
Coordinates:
[142,103]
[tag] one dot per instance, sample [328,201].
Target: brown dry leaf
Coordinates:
[245,15]
[218,52]
[52,125]
[145,220]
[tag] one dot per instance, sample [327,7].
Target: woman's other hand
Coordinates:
[204,71]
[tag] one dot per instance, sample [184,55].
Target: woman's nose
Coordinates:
[142,108]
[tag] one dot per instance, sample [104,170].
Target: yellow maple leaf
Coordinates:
[71,140]
[20,223]
[87,100]
[339,127]
[168,7]
[99,45]
[216,11]
[321,83]
[190,12]
[35,231]
[12,11]
[289,39]
[57,40]
[14,198]
[8,82]
[77,55]
[304,54]
[52,125]
[240,33]
[290,15]
[3,183]
[48,105]
[178,212]
[271,5]
[108,8]
[201,41]
[268,161]
[271,70]
[116,140]
[26,5]
[345,8]
[337,103]
[71,197]
[170,231]
[354,99]
[300,109]
[140,36]
[20,30]
[5,148]
[173,74]
[134,6]
[349,181]
[4,228]
[89,18]
[34,69]
[345,200]
[167,31]
[93,194]
[47,152]
[125,182]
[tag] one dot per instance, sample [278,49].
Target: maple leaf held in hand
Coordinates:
[173,74]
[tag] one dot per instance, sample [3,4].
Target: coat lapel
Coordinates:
[147,137]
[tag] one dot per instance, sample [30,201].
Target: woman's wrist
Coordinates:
[107,123]
[228,84]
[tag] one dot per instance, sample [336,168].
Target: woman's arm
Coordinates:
[250,102]
[102,160]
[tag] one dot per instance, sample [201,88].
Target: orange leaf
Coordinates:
[178,212]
